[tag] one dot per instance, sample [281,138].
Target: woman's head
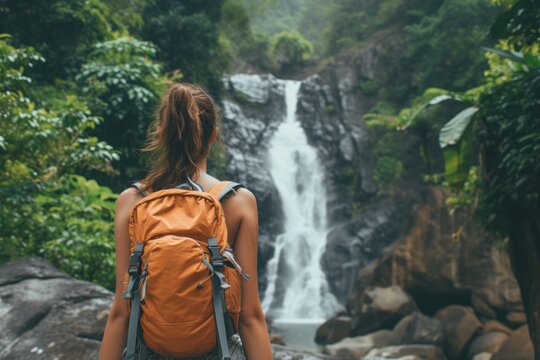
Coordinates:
[184,128]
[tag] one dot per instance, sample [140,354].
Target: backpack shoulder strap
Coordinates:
[137,185]
[222,188]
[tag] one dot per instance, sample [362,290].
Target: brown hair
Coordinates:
[179,136]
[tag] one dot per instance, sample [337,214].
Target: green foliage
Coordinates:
[123,84]
[61,30]
[39,148]
[502,119]
[291,49]
[510,135]
[519,24]
[273,16]
[330,109]
[250,45]
[422,44]
[387,169]
[78,216]
[369,87]
[187,36]
[351,22]
[467,197]
[389,151]
[451,37]
[453,130]
[127,14]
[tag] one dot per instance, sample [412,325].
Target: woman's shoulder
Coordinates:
[240,201]
[128,197]
[240,193]
[245,195]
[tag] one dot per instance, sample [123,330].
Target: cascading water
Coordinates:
[297,287]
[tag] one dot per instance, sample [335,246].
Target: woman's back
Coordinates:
[179,142]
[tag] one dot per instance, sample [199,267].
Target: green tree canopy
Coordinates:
[123,84]
[187,36]
[61,30]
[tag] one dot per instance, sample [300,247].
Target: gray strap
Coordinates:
[221,327]
[134,293]
[230,187]
[218,299]
[133,326]
[190,184]
[137,185]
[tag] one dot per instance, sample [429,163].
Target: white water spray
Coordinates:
[297,287]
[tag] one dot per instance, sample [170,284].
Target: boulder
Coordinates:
[518,346]
[487,343]
[439,270]
[48,315]
[357,347]
[494,325]
[333,330]
[380,308]
[516,318]
[420,330]
[481,308]
[423,352]
[276,338]
[459,326]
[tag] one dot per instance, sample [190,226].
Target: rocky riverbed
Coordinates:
[48,315]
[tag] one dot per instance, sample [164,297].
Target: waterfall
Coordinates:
[297,287]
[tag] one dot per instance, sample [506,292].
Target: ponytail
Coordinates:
[178,139]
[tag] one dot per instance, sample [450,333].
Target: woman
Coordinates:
[179,141]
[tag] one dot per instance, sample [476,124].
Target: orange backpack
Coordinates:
[184,283]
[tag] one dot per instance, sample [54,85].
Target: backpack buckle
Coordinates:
[216,259]
[135,259]
[134,269]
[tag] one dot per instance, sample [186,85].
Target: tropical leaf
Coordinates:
[507,54]
[439,99]
[458,159]
[452,131]
[410,119]
[530,61]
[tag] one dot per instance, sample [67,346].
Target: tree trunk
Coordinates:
[524,251]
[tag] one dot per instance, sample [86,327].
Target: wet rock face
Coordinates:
[253,108]
[355,243]
[330,109]
[45,314]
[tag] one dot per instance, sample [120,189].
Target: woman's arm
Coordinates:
[114,338]
[252,325]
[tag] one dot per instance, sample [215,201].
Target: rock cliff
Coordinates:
[253,107]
